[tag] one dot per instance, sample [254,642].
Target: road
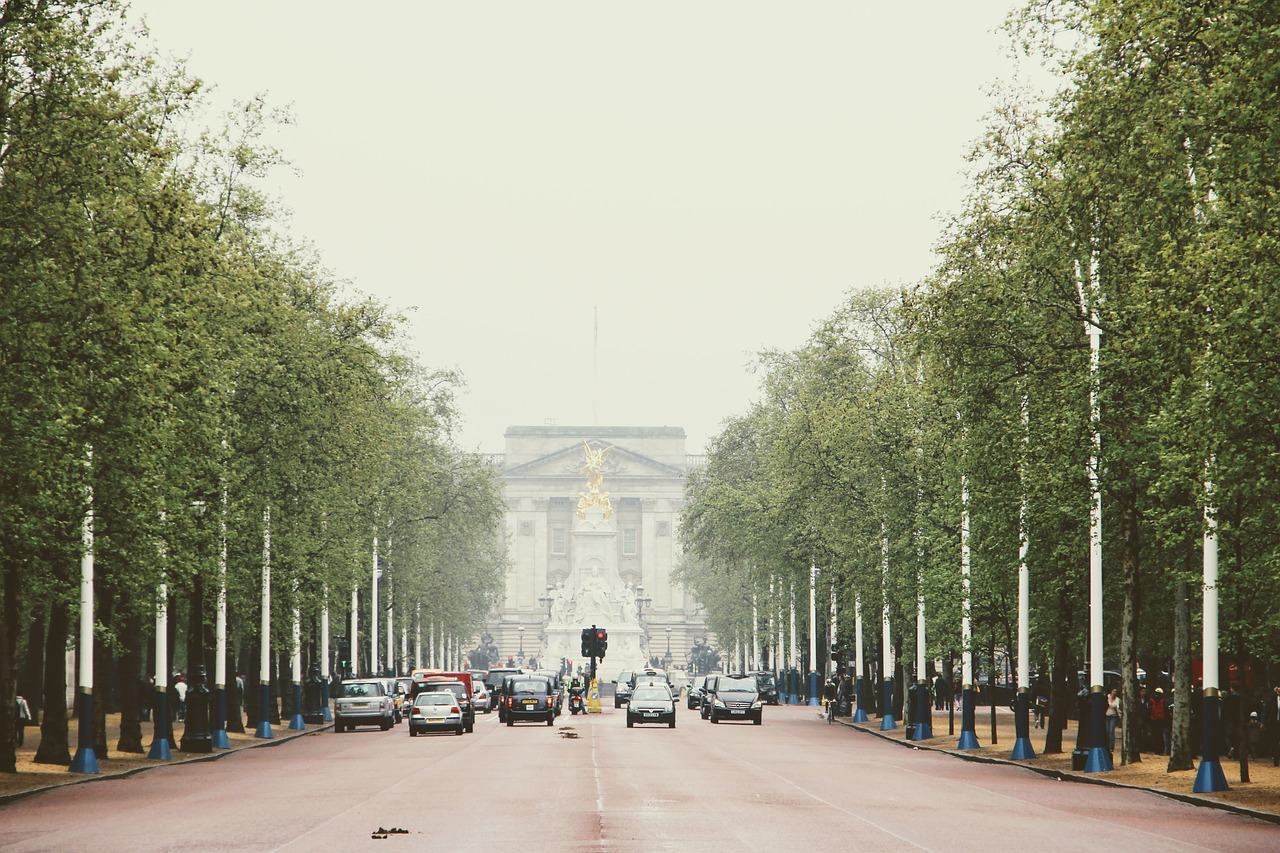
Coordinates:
[591,784]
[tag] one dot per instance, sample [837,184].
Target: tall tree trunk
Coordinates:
[8,661]
[31,674]
[1063,687]
[130,673]
[1180,751]
[54,744]
[1131,730]
[252,691]
[103,666]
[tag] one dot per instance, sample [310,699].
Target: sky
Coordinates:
[600,212]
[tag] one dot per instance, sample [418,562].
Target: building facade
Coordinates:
[592,527]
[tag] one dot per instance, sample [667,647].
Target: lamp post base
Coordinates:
[1209,778]
[968,740]
[1099,761]
[1023,750]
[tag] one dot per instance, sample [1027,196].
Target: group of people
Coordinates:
[1249,726]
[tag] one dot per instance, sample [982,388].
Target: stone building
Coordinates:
[592,527]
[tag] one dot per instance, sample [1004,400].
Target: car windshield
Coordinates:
[744,684]
[361,689]
[651,693]
[438,698]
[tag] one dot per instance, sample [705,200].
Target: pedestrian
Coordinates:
[21,719]
[1040,710]
[178,696]
[1271,725]
[1144,719]
[1253,734]
[1231,722]
[1113,717]
[1157,717]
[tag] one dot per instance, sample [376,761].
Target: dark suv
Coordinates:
[734,697]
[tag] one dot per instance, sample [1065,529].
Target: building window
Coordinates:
[557,540]
[628,541]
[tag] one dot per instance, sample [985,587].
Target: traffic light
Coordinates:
[588,642]
[602,641]
[835,648]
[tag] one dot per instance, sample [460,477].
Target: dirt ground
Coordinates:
[1260,794]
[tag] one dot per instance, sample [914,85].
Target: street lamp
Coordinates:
[642,601]
[668,641]
[548,600]
[520,631]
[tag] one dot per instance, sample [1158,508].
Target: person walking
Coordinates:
[1113,717]
[21,719]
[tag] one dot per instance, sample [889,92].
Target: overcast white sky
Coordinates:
[711,177]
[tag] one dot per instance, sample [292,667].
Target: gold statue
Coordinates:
[593,471]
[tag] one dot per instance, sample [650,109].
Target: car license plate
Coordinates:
[651,713]
[359,704]
[738,711]
[531,701]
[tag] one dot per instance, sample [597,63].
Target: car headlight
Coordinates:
[718,702]
[755,706]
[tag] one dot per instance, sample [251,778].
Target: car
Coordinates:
[404,691]
[734,697]
[480,697]
[364,702]
[651,702]
[708,687]
[529,698]
[557,686]
[767,685]
[622,688]
[459,689]
[435,710]
[493,681]
[694,696]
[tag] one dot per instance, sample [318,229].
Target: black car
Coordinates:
[708,687]
[767,686]
[529,698]
[493,681]
[694,695]
[651,703]
[622,689]
[734,697]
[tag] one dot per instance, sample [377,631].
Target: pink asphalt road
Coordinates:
[590,783]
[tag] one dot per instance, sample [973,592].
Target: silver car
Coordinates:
[364,703]
[435,710]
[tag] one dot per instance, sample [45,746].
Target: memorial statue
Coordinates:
[593,470]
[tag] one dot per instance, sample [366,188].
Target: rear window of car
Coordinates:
[528,687]
[362,688]
[646,693]
[434,698]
